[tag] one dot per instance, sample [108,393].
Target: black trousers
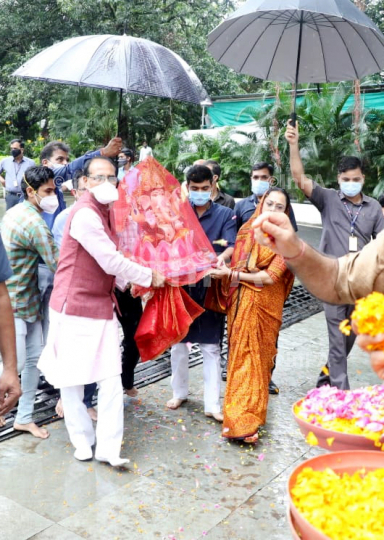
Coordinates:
[129,319]
[339,347]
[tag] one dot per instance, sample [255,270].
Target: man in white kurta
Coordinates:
[85,349]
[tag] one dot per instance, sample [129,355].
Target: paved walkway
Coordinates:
[184,482]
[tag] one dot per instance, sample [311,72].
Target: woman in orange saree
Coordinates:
[254,290]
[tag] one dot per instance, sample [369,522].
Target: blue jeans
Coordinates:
[45,284]
[29,346]
[11,199]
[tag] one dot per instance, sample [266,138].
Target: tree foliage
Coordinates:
[327,133]
[180,25]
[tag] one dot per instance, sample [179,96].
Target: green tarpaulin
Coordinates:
[231,113]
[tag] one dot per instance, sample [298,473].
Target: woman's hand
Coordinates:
[158,280]
[220,272]
[220,260]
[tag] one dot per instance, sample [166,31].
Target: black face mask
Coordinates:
[15,152]
[122,162]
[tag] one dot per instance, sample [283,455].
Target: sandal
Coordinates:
[252,439]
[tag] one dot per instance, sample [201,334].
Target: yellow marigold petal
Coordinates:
[311,439]
[345,328]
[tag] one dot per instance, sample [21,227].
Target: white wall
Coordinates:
[307,214]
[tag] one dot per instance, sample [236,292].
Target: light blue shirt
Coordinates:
[122,172]
[59,225]
[14,172]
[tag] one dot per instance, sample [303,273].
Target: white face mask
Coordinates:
[48,204]
[105,193]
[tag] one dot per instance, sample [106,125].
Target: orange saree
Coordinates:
[254,319]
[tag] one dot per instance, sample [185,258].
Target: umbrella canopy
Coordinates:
[121,63]
[299,41]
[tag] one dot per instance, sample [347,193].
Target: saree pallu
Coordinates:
[254,319]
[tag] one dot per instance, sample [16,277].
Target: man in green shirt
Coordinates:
[26,239]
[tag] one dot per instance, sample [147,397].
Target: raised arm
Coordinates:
[65,173]
[297,168]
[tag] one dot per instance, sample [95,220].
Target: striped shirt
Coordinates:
[26,238]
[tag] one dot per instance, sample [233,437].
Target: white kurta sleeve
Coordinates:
[87,228]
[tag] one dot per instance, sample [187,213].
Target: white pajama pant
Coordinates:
[211,371]
[110,418]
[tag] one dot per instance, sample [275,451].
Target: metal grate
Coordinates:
[299,306]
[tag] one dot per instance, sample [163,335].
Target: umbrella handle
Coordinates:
[293,119]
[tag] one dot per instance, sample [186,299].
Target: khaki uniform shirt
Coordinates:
[361,273]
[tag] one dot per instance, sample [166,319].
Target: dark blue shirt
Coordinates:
[219,224]
[245,209]
[62,174]
[5,268]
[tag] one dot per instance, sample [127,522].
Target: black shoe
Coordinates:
[43,384]
[272,388]
[324,378]
[224,375]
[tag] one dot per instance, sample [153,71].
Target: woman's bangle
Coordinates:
[234,278]
[299,254]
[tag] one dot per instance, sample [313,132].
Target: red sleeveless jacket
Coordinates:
[80,282]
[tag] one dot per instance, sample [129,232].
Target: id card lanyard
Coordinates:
[17,170]
[353,218]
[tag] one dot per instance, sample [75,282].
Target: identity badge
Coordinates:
[353,243]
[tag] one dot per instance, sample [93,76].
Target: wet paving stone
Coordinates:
[184,481]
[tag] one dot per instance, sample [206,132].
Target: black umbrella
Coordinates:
[299,41]
[121,63]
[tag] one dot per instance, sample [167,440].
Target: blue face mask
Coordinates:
[351,189]
[259,187]
[199,198]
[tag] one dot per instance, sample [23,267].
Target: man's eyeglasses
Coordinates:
[100,178]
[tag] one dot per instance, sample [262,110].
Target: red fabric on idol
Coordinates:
[158,228]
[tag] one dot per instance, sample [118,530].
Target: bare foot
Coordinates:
[175,403]
[2,421]
[218,416]
[132,392]
[92,413]
[59,409]
[32,428]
